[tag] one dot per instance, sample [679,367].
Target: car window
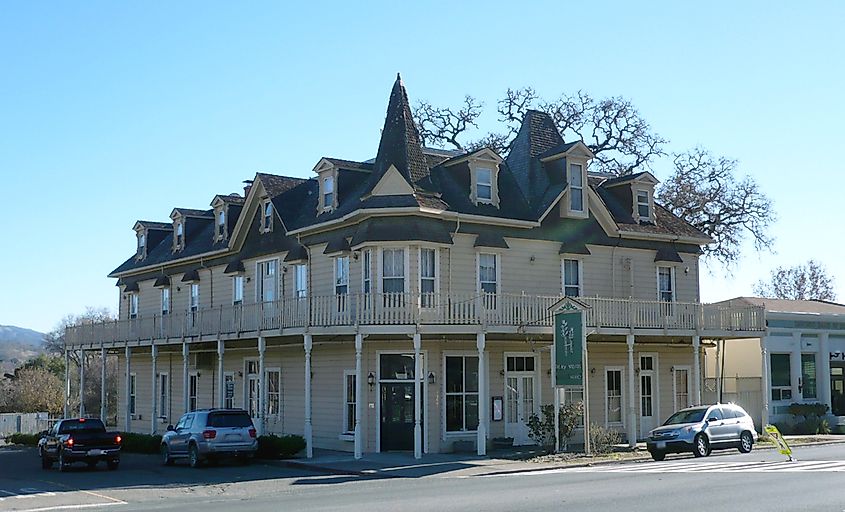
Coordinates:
[189,420]
[686,416]
[229,419]
[79,425]
[182,420]
[732,412]
[715,412]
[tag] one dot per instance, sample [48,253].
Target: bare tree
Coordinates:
[801,282]
[34,389]
[704,191]
[441,126]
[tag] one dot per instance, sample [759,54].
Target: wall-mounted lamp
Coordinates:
[431,378]
[371,380]
[248,279]
[178,289]
[592,371]
[686,270]
[199,374]
[240,373]
[284,268]
[502,373]
[532,258]
[355,255]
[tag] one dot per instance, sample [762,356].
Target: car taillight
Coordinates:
[118,439]
[69,442]
[252,432]
[209,434]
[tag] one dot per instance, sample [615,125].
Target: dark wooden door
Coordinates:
[397,416]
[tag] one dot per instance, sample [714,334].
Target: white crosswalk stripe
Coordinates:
[701,466]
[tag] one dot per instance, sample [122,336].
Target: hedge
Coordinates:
[140,443]
[24,439]
[279,447]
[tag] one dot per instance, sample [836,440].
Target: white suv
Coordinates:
[702,429]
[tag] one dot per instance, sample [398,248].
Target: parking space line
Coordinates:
[115,500]
[72,507]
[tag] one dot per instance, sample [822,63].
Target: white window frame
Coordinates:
[179,235]
[478,184]
[246,380]
[237,289]
[675,369]
[406,263]
[268,394]
[341,279]
[464,393]
[803,380]
[674,289]
[367,271]
[220,224]
[165,300]
[133,305]
[498,263]
[229,401]
[142,244]
[193,399]
[572,188]
[194,299]
[621,422]
[260,267]
[133,393]
[330,178]
[580,262]
[639,203]
[163,396]
[300,281]
[345,428]
[788,387]
[432,303]
[266,220]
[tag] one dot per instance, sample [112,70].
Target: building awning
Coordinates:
[161,282]
[297,253]
[670,255]
[336,245]
[235,267]
[493,240]
[394,229]
[131,287]
[191,276]
[576,248]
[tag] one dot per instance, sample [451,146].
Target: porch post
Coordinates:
[309,439]
[154,410]
[103,404]
[221,381]
[718,370]
[81,383]
[417,398]
[185,398]
[483,392]
[128,355]
[696,369]
[631,424]
[765,381]
[359,399]
[795,368]
[823,376]
[66,411]
[262,386]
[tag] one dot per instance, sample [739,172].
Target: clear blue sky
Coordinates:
[112,112]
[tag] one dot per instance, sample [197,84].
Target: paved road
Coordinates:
[756,481]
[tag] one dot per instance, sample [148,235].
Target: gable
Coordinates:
[392,183]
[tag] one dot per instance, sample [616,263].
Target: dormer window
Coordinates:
[266,216]
[180,235]
[142,246]
[484,185]
[643,205]
[328,193]
[221,224]
[576,188]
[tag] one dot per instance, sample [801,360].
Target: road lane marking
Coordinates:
[71,507]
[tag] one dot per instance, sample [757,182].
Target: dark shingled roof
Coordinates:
[351,165]
[574,248]
[231,198]
[337,244]
[493,240]
[621,179]
[131,286]
[165,226]
[399,229]
[537,135]
[190,212]
[191,275]
[162,281]
[666,254]
[297,253]
[234,267]
[276,185]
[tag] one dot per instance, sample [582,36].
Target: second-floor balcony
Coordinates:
[493,312]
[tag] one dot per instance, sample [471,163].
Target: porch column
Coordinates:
[631,424]
[103,403]
[417,398]
[81,383]
[718,370]
[221,381]
[185,398]
[128,355]
[765,381]
[795,367]
[154,402]
[262,385]
[66,411]
[480,345]
[309,438]
[359,396]
[823,375]
[696,369]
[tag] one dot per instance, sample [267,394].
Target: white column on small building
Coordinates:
[262,386]
[103,403]
[309,438]
[765,381]
[417,397]
[66,411]
[795,367]
[483,393]
[154,375]
[631,423]
[128,355]
[185,390]
[221,379]
[719,344]
[359,396]
[81,383]
[696,369]
[823,374]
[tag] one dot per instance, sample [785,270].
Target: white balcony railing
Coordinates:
[495,310]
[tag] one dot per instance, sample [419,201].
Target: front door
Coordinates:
[837,389]
[648,394]
[520,397]
[396,402]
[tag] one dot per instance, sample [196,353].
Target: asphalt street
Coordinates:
[761,480]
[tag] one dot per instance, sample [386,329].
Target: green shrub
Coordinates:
[603,440]
[786,428]
[24,439]
[541,430]
[807,410]
[140,443]
[279,447]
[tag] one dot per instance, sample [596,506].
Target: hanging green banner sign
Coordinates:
[569,347]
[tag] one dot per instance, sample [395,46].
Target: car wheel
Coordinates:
[746,442]
[166,459]
[658,455]
[113,464]
[194,456]
[63,466]
[701,446]
[46,463]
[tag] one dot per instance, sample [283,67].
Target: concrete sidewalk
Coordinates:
[403,464]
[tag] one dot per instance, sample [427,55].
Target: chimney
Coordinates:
[247,187]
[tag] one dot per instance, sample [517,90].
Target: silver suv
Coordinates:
[210,434]
[702,429]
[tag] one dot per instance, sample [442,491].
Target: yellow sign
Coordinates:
[775,434]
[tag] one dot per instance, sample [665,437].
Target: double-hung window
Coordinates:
[221,224]
[643,205]
[461,393]
[572,278]
[488,278]
[132,390]
[349,390]
[267,216]
[165,300]
[366,271]
[163,396]
[133,305]
[192,391]
[576,188]
[229,395]
[781,377]
[194,305]
[268,283]
[428,277]
[613,395]
[808,376]
[666,289]
[274,393]
[300,281]
[142,245]
[328,193]
[484,185]
[341,275]
[393,271]
[237,290]
[180,235]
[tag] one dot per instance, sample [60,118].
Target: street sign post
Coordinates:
[569,353]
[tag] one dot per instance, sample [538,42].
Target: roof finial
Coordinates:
[398,77]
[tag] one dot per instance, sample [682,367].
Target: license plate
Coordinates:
[661,444]
[96,452]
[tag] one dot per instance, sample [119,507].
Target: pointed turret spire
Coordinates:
[400,144]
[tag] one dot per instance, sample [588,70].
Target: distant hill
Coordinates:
[17,345]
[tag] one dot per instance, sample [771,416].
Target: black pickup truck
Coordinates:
[79,440]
